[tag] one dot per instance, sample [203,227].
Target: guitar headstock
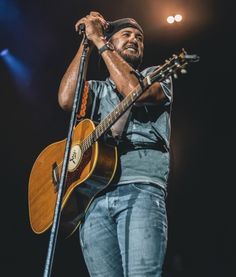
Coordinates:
[177,63]
[182,60]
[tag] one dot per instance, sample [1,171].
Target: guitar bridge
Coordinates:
[55,177]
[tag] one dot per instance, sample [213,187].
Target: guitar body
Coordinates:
[93,173]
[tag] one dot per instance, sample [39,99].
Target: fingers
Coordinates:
[93,16]
[77,25]
[103,21]
[98,16]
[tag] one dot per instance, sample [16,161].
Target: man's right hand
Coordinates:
[95,24]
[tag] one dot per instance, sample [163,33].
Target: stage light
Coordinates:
[174,18]
[178,17]
[4,52]
[170,19]
[18,70]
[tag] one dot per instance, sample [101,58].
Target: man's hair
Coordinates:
[117,25]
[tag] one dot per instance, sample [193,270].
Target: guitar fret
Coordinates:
[84,146]
[102,128]
[96,134]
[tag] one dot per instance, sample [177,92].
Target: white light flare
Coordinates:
[170,19]
[174,18]
[178,17]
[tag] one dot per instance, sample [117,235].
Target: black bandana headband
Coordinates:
[119,24]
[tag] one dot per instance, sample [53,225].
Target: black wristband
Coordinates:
[107,46]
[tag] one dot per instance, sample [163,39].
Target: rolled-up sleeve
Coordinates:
[167,88]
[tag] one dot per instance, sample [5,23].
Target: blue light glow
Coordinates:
[4,52]
[18,70]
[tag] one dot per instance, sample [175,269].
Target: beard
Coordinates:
[132,60]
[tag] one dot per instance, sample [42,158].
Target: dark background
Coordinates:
[200,202]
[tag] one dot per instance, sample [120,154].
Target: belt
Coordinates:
[130,146]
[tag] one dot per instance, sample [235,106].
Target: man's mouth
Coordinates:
[131,48]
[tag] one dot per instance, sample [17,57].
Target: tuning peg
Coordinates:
[183,71]
[175,75]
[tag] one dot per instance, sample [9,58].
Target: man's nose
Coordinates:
[133,39]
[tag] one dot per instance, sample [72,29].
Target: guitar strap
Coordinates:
[84,103]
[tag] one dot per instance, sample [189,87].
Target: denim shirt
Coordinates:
[148,124]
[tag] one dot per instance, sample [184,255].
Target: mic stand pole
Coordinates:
[76,104]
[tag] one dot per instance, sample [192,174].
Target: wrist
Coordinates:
[100,41]
[107,45]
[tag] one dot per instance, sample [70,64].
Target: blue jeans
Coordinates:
[125,232]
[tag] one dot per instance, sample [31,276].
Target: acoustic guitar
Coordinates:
[92,163]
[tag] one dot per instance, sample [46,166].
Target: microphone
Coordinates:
[81,28]
[108,29]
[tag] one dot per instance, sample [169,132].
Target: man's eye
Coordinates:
[140,38]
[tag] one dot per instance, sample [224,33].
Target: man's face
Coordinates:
[128,42]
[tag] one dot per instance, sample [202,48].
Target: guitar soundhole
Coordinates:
[75,175]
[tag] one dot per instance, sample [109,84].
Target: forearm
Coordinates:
[120,72]
[69,80]
[154,94]
[126,80]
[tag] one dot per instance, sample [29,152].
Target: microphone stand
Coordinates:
[76,104]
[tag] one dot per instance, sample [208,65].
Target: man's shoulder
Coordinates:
[102,88]
[99,84]
[96,82]
[106,81]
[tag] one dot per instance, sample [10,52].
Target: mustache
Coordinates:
[132,45]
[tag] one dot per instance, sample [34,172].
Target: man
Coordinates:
[124,232]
